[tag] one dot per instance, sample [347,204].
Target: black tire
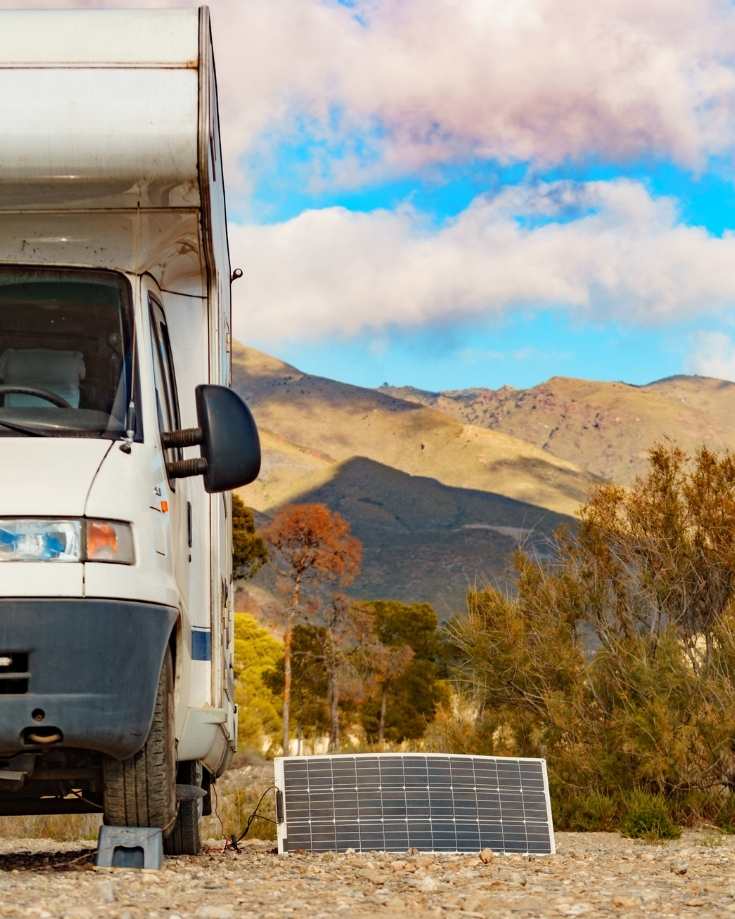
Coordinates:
[141,791]
[185,838]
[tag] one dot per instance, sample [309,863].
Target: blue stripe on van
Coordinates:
[201,644]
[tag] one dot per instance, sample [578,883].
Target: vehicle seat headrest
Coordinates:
[61,372]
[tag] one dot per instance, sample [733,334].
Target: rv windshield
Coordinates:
[65,346]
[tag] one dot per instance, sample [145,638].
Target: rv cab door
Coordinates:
[171,494]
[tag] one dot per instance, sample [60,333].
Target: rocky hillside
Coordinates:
[441,487]
[423,540]
[311,425]
[605,428]
[439,504]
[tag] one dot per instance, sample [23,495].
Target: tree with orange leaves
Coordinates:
[313,547]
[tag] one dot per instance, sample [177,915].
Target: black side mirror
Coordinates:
[228,437]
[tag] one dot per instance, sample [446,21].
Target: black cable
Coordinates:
[234,840]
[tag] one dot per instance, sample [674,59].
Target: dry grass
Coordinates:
[237,794]
[62,828]
[236,797]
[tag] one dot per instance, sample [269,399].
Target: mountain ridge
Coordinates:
[338,420]
[607,428]
[442,494]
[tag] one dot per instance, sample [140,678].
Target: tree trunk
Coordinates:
[383,707]
[334,712]
[287,643]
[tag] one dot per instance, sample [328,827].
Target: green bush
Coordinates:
[615,658]
[589,812]
[725,816]
[647,816]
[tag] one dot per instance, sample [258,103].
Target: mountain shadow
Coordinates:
[427,541]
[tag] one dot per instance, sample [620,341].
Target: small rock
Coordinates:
[106,892]
[486,856]
[623,903]
[211,911]
[679,868]
[370,874]
[427,884]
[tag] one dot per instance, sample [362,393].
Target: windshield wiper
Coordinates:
[21,429]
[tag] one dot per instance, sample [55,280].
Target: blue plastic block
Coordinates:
[130,847]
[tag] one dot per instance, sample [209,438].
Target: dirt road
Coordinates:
[592,874]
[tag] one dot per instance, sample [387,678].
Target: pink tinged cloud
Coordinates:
[447,80]
[713,355]
[604,250]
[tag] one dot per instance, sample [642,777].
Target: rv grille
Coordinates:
[14,673]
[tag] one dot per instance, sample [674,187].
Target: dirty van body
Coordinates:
[119,437]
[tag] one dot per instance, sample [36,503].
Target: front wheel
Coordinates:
[141,791]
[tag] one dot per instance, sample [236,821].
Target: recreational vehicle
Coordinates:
[120,438]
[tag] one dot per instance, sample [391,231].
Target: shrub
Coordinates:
[616,659]
[594,811]
[725,816]
[647,816]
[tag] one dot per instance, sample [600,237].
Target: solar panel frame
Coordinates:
[427,801]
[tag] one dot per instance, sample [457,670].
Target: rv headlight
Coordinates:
[65,541]
[40,540]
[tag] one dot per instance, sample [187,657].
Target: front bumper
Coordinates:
[93,670]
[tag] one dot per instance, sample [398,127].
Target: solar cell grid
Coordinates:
[394,802]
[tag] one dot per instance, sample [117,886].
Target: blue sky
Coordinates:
[519,350]
[451,193]
[481,194]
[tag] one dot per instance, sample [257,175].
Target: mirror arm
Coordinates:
[185,469]
[188,437]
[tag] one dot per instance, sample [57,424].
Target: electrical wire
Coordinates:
[216,808]
[233,842]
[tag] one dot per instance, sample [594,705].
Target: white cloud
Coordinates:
[602,250]
[713,356]
[419,82]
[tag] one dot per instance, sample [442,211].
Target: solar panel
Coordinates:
[399,801]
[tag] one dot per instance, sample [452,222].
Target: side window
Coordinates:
[167,401]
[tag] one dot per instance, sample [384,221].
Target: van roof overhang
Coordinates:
[100,148]
[80,132]
[100,38]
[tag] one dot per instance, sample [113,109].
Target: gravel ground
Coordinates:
[592,874]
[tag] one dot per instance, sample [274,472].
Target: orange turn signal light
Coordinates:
[102,542]
[108,541]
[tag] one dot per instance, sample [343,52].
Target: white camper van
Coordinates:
[119,439]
